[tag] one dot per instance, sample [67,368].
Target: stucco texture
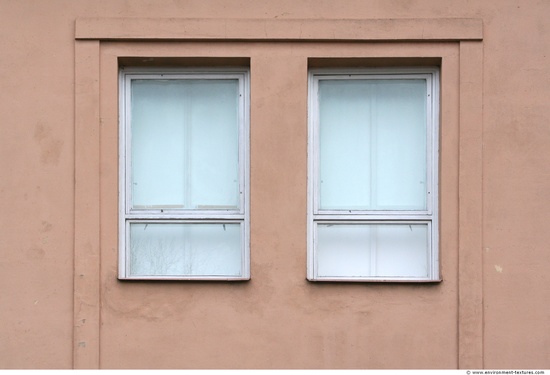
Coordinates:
[61,304]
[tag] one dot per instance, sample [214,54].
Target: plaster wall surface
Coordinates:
[277,319]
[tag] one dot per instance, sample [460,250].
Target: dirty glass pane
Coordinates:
[176,249]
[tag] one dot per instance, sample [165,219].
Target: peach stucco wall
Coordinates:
[61,305]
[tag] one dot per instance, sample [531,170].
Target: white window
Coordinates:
[184,199]
[373,172]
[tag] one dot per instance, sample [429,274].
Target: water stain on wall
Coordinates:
[50,148]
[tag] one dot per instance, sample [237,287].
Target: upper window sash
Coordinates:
[235,210]
[427,75]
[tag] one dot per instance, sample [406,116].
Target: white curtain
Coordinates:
[372,250]
[185,144]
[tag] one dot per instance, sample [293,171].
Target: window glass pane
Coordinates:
[345,136]
[175,249]
[372,144]
[372,250]
[400,146]
[185,144]
[214,151]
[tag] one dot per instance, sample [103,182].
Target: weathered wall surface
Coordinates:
[278,319]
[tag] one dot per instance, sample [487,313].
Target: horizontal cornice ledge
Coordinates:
[209,29]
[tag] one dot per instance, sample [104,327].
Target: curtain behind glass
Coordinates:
[184,140]
[372,144]
[372,250]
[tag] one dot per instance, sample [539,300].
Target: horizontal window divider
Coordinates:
[372,213]
[165,219]
[372,218]
[181,208]
[184,214]
[374,279]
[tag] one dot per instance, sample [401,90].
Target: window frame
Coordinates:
[429,216]
[128,215]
